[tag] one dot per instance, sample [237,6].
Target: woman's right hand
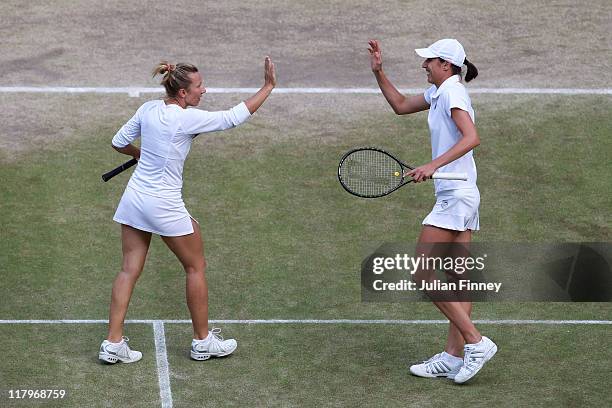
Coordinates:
[375,56]
[269,73]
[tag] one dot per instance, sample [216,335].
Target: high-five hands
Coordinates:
[375,56]
[269,72]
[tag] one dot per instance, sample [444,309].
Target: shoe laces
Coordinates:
[122,346]
[125,346]
[432,358]
[470,361]
[216,334]
[437,365]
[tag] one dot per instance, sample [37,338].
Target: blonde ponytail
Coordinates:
[175,77]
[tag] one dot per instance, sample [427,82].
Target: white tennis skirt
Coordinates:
[456,210]
[162,216]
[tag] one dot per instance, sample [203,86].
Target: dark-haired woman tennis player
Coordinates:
[152,202]
[455,214]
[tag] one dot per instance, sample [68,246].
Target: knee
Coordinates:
[132,266]
[132,273]
[197,267]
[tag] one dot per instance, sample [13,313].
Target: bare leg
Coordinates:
[135,245]
[455,341]
[461,329]
[189,249]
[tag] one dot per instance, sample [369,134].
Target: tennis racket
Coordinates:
[117,170]
[370,172]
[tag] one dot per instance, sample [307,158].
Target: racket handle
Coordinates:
[450,176]
[119,169]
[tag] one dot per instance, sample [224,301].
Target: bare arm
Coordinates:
[468,141]
[129,150]
[401,104]
[255,101]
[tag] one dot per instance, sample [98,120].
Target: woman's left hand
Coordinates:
[422,173]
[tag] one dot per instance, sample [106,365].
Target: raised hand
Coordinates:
[375,56]
[254,102]
[269,72]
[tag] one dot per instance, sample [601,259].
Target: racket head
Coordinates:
[370,172]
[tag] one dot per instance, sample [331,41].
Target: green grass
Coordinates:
[283,240]
[307,365]
[45,356]
[344,365]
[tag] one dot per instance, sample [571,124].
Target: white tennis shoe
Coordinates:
[118,352]
[474,358]
[440,365]
[212,346]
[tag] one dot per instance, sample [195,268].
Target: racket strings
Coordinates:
[370,173]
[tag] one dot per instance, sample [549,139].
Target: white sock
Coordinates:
[450,358]
[475,344]
[199,340]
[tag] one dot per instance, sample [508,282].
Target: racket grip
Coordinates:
[117,170]
[450,176]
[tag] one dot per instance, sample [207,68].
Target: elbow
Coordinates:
[118,149]
[230,123]
[397,109]
[476,142]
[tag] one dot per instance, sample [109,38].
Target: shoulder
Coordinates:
[455,89]
[149,105]
[456,92]
[460,91]
[191,113]
[191,118]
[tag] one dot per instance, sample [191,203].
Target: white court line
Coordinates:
[137,91]
[163,369]
[318,321]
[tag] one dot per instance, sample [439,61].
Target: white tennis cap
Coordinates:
[448,49]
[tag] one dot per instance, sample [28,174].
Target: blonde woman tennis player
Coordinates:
[152,202]
[455,214]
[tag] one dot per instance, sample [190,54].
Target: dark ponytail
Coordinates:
[472,72]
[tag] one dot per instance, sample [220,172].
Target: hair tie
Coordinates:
[171,67]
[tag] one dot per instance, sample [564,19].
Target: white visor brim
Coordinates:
[425,53]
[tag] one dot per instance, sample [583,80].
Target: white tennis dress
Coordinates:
[153,200]
[457,201]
